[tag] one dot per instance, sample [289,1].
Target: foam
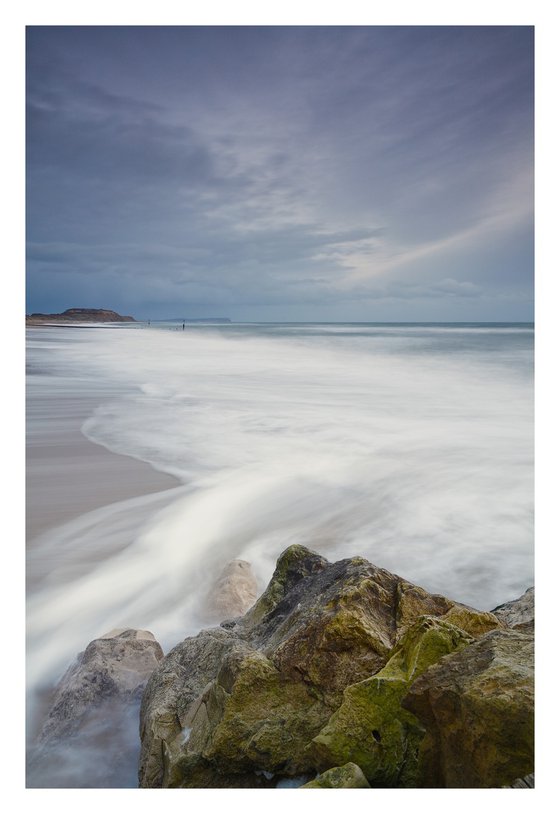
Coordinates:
[415,455]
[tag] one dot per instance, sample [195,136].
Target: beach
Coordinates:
[67,475]
[157,456]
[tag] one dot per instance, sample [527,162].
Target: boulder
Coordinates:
[88,738]
[177,684]
[477,707]
[234,592]
[115,666]
[348,776]
[238,704]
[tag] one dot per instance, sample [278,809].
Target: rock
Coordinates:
[243,701]
[293,566]
[253,718]
[348,776]
[370,728]
[176,685]
[477,706]
[115,666]
[527,782]
[234,592]
[520,613]
[88,738]
[413,601]
[474,622]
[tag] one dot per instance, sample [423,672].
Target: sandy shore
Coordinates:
[67,475]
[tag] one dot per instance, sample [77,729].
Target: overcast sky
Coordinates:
[278,173]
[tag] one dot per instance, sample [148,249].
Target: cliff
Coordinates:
[74,315]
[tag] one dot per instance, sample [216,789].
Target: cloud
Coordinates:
[309,163]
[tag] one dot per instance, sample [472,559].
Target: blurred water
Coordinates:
[411,445]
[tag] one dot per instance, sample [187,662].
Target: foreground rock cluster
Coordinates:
[341,675]
[342,671]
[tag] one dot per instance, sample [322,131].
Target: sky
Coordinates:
[313,173]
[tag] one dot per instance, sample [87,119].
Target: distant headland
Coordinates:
[73,315]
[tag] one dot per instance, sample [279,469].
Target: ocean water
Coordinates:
[410,445]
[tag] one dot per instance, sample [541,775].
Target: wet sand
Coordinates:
[67,475]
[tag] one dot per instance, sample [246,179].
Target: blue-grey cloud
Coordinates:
[268,168]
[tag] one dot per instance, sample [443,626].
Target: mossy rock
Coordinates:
[477,707]
[371,728]
[349,776]
[332,651]
[472,621]
[413,601]
[254,693]
[250,719]
[191,771]
[423,644]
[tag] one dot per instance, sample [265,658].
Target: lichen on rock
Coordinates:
[348,776]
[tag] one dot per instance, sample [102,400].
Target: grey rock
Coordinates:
[520,613]
[527,782]
[234,592]
[169,694]
[88,739]
[115,666]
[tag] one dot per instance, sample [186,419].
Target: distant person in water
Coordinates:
[183,325]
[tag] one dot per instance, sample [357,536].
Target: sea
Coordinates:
[408,444]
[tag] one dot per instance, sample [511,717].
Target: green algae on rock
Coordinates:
[477,707]
[370,728]
[348,776]
[252,717]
